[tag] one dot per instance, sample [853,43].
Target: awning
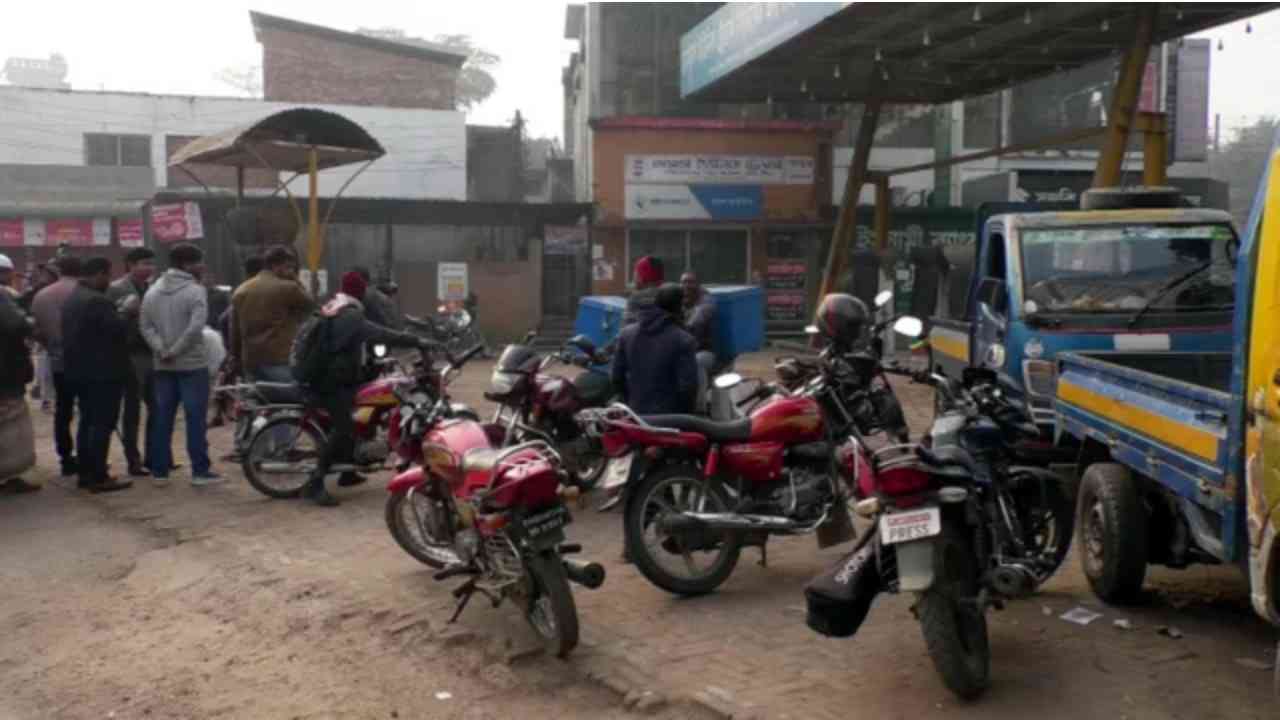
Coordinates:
[912,52]
[282,141]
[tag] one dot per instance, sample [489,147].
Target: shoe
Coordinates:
[319,496]
[18,486]
[159,481]
[351,479]
[70,467]
[206,478]
[138,471]
[110,484]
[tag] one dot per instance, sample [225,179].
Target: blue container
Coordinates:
[600,318]
[739,319]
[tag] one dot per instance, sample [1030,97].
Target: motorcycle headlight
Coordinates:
[502,383]
[1040,377]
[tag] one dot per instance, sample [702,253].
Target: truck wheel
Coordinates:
[1113,533]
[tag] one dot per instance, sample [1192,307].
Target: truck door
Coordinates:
[1262,437]
[990,302]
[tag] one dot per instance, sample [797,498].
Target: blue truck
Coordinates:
[1045,282]
[1179,442]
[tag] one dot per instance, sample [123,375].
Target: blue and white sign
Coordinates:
[740,32]
[694,202]
[721,169]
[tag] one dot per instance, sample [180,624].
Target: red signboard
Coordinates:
[176,222]
[129,230]
[11,233]
[77,232]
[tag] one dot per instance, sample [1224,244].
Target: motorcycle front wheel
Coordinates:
[419,524]
[955,629]
[687,564]
[549,607]
[282,456]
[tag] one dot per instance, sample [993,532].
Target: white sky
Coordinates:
[178,47]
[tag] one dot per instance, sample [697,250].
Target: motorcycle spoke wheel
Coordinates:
[672,553]
[419,525]
[549,607]
[281,457]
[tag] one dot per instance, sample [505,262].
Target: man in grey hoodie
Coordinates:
[172,322]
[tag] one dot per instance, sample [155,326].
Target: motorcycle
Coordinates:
[289,435]
[536,405]
[496,516]
[954,520]
[707,488]
[453,326]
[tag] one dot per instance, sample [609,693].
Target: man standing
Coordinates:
[655,370]
[266,312]
[700,321]
[348,334]
[16,434]
[95,342]
[46,307]
[127,294]
[174,313]
[648,275]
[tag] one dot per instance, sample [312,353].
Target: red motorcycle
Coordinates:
[289,433]
[497,516]
[703,489]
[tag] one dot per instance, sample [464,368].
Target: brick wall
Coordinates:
[300,68]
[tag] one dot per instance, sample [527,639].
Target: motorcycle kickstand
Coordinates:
[463,593]
[764,554]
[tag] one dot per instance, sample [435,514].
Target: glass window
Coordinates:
[117,150]
[135,150]
[101,149]
[666,245]
[719,257]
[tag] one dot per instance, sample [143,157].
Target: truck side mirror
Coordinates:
[991,317]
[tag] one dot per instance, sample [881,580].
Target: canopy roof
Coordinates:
[282,142]
[912,52]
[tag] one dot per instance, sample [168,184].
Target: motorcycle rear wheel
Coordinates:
[550,608]
[954,631]
[647,499]
[420,542]
[290,443]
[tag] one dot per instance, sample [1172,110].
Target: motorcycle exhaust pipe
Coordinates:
[587,574]
[675,523]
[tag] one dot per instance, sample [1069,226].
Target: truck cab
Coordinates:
[1116,279]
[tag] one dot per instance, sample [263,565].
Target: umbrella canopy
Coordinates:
[283,141]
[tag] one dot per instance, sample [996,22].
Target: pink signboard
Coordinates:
[176,222]
[77,232]
[11,234]
[129,230]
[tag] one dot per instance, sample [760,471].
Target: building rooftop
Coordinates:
[418,48]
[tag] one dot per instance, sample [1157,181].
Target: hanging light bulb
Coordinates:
[804,86]
[768,99]
[927,42]
[1027,18]
[977,13]
[879,57]
[1106,26]
[837,72]
[1219,43]
[884,74]
[1179,16]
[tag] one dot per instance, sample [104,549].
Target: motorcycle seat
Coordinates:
[948,457]
[480,460]
[281,393]
[715,431]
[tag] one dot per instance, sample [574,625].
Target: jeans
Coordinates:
[139,391]
[272,374]
[64,411]
[99,411]
[338,402]
[191,388]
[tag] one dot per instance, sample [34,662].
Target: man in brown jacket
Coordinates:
[266,312]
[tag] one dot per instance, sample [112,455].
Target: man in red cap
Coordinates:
[648,276]
[349,333]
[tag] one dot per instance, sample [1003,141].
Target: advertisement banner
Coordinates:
[129,230]
[451,281]
[694,202]
[785,296]
[76,232]
[101,232]
[564,240]
[33,233]
[176,222]
[11,233]
[720,169]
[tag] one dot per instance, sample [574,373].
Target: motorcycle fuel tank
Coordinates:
[378,393]
[556,394]
[787,420]
[444,448]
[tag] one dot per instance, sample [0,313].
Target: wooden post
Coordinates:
[314,248]
[1155,134]
[1124,102]
[848,219]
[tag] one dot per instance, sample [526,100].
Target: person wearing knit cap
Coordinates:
[348,334]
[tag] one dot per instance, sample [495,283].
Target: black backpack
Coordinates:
[309,355]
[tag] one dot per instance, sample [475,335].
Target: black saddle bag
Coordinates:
[840,598]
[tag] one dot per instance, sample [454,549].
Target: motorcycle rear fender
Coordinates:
[915,565]
[414,477]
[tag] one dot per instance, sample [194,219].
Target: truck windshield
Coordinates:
[1128,268]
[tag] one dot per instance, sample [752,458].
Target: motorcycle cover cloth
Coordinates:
[840,598]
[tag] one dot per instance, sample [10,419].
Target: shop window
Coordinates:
[719,257]
[117,150]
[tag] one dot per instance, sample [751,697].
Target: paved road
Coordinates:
[216,602]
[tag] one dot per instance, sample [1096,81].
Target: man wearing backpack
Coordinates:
[342,332]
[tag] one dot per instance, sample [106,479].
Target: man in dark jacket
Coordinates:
[655,368]
[380,309]
[17,437]
[95,342]
[700,321]
[46,308]
[348,333]
[127,294]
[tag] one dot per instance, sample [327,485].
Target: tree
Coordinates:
[475,81]
[247,79]
[1241,161]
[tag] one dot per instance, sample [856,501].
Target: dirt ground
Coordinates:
[219,603]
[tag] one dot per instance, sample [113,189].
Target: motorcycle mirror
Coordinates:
[462,319]
[883,298]
[910,326]
[728,381]
[811,330]
[442,309]
[380,350]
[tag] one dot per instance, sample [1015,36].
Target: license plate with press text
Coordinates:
[910,525]
[546,521]
[615,476]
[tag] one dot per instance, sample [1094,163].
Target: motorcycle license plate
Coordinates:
[615,476]
[546,522]
[910,525]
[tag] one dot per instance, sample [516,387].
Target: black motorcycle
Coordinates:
[955,521]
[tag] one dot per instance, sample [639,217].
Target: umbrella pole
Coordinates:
[314,249]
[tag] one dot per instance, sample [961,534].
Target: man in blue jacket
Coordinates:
[655,368]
